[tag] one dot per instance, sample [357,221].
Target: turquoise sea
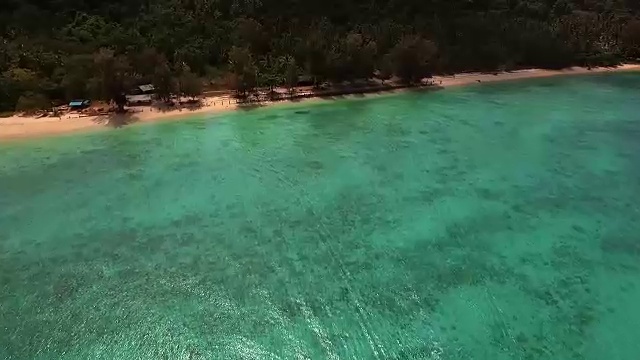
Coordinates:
[497,221]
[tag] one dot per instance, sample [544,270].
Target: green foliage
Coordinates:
[251,33]
[631,39]
[291,71]
[385,71]
[75,75]
[413,58]
[100,49]
[146,62]
[113,75]
[15,82]
[352,57]
[163,80]
[21,79]
[244,73]
[270,72]
[189,84]
[30,102]
[315,52]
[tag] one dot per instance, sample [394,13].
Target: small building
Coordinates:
[79,104]
[143,99]
[305,80]
[147,89]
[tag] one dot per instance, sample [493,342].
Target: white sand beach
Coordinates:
[17,126]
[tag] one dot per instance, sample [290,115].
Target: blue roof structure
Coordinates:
[76,103]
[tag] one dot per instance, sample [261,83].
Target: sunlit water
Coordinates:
[489,222]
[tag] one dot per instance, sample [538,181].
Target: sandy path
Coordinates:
[16,127]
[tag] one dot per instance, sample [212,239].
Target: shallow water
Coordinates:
[489,222]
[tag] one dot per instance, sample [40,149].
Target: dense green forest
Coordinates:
[56,50]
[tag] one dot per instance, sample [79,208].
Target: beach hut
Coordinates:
[147,89]
[143,99]
[305,80]
[79,104]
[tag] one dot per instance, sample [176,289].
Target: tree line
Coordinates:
[52,52]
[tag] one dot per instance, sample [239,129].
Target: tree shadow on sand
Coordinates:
[192,105]
[189,105]
[250,106]
[425,88]
[115,120]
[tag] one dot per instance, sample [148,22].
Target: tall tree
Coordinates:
[190,85]
[315,50]
[250,32]
[413,58]
[18,81]
[385,70]
[243,69]
[333,39]
[30,102]
[163,80]
[631,38]
[271,72]
[113,76]
[75,73]
[145,63]
[290,71]
[359,54]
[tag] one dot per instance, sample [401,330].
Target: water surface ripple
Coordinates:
[489,222]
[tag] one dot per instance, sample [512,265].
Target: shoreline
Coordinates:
[24,127]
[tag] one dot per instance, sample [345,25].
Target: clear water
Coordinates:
[489,222]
